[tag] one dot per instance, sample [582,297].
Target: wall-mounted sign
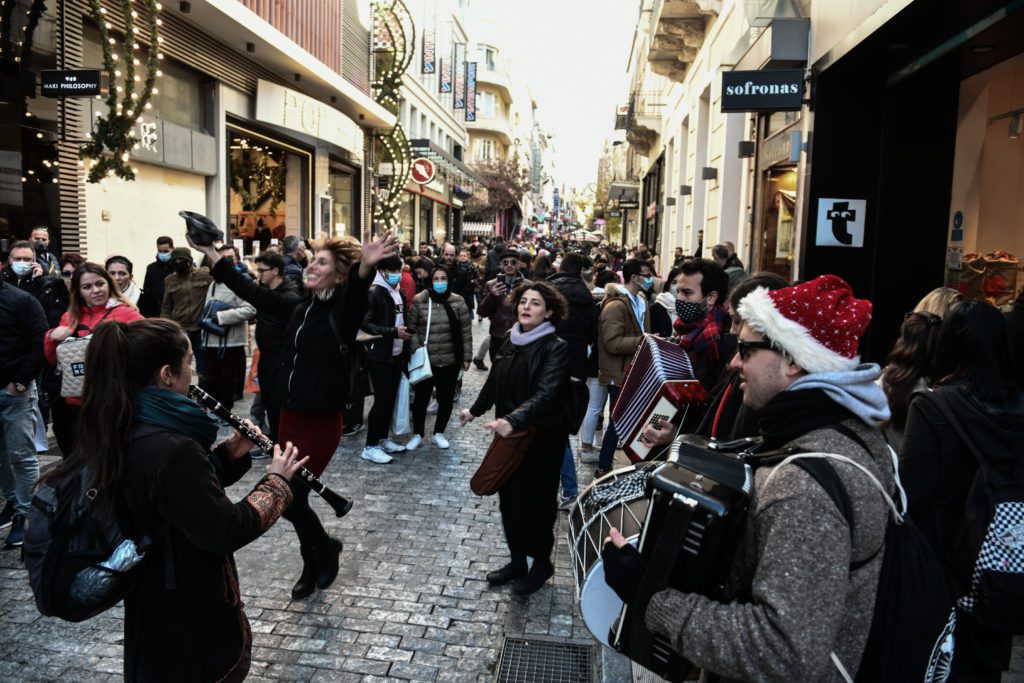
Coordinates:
[444,84]
[428,51]
[459,67]
[615,214]
[423,171]
[778,90]
[71,83]
[471,91]
[293,110]
[841,222]
[629,204]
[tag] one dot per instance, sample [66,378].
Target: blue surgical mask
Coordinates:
[394,278]
[163,257]
[21,268]
[440,287]
[647,283]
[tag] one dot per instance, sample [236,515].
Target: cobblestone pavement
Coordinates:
[410,602]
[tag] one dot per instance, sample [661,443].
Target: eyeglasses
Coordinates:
[263,270]
[67,273]
[745,347]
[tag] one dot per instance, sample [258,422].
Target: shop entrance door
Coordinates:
[777,224]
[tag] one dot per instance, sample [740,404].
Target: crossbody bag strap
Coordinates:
[430,312]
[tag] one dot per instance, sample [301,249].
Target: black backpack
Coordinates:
[911,635]
[990,541]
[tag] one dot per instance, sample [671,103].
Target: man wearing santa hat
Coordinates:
[801,593]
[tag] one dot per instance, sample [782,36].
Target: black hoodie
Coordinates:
[937,468]
[578,328]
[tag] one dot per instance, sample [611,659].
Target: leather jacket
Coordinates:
[380,319]
[527,384]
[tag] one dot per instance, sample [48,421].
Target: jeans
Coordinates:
[611,439]
[482,350]
[598,397]
[568,475]
[19,465]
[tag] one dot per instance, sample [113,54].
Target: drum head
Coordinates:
[599,604]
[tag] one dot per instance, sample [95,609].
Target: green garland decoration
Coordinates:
[112,140]
[396,22]
[255,180]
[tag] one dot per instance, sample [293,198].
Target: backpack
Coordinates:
[911,634]
[80,559]
[991,538]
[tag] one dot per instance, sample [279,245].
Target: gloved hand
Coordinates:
[623,568]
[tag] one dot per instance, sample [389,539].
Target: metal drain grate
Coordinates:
[538,660]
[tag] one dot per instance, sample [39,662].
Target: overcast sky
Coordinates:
[573,54]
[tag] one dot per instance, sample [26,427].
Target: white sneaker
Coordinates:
[375,454]
[414,442]
[440,441]
[391,447]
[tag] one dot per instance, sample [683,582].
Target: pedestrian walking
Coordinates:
[526,387]
[449,339]
[150,451]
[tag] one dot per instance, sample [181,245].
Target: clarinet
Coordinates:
[339,503]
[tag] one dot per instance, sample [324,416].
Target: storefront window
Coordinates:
[441,224]
[343,202]
[426,219]
[407,217]
[267,190]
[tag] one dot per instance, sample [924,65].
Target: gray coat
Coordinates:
[237,317]
[794,563]
[440,345]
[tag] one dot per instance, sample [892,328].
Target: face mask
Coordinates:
[690,311]
[394,278]
[40,246]
[163,257]
[182,267]
[647,283]
[21,268]
[440,287]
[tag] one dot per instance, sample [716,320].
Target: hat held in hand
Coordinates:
[201,230]
[818,324]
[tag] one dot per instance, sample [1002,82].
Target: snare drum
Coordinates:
[615,500]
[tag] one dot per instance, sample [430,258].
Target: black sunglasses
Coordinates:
[67,273]
[745,347]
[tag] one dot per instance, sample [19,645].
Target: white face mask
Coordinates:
[21,268]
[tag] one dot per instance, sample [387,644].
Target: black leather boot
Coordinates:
[327,558]
[511,571]
[304,586]
[538,575]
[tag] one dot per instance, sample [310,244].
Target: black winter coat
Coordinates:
[380,319]
[578,329]
[527,384]
[460,282]
[274,307]
[315,371]
[152,296]
[48,290]
[22,326]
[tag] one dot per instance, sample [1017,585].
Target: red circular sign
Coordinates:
[423,171]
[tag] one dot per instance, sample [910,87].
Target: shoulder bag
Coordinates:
[71,359]
[503,458]
[419,363]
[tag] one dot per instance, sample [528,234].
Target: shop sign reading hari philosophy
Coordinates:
[292,110]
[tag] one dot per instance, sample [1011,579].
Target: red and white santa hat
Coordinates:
[819,324]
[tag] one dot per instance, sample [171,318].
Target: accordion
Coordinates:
[698,504]
[658,383]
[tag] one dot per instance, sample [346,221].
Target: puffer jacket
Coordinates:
[440,344]
[618,334]
[234,318]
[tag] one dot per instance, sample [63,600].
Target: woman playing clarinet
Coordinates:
[312,382]
[150,451]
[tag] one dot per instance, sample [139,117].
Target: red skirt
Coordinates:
[314,434]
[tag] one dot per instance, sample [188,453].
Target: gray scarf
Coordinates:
[520,338]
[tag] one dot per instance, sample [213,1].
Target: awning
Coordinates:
[623,190]
[440,156]
[478,229]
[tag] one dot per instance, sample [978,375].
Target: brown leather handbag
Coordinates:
[503,458]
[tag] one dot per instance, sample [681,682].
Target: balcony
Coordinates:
[644,120]
[496,126]
[677,33]
[495,78]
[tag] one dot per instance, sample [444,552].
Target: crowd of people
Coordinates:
[108,362]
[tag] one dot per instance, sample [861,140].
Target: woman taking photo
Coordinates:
[449,343]
[120,270]
[321,330]
[93,299]
[150,451]
[938,466]
[526,386]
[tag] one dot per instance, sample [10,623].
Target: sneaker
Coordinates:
[565,502]
[349,430]
[414,443]
[432,408]
[375,454]
[440,441]
[589,456]
[391,447]
[479,363]
[17,534]
[7,515]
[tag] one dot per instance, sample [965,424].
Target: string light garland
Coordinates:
[395,22]
[112,139]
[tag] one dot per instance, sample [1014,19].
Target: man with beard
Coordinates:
[494,304]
